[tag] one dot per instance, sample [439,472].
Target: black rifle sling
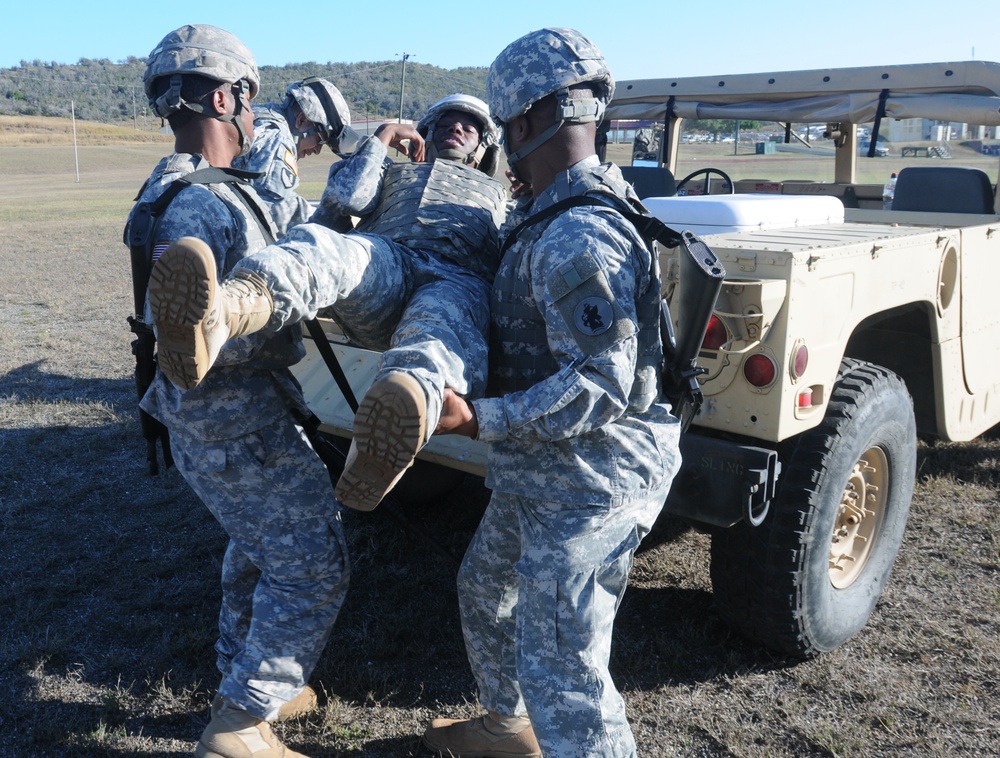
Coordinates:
[330,358]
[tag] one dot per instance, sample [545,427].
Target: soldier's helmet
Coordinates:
[197,49]
[546,61]
[487,156]
[324,105]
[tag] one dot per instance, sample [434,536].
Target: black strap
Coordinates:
[330,358]
[315,330]
[879,115]
[648,227]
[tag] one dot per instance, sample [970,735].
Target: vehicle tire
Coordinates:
[808,578]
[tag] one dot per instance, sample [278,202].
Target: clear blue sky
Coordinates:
[640,38]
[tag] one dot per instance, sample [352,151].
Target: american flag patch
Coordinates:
[158,249]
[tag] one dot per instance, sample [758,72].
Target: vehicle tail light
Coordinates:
[759,370]
[800,360]
[715,334]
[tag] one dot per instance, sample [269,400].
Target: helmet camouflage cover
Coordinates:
[543,62]
[198,49]
[324,105]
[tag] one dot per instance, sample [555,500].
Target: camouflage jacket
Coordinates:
[572,435]
[273,155]
[249,386]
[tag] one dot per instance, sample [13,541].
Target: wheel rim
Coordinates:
[859,517]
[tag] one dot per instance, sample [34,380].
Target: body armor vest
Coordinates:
[442,207]
[519,351]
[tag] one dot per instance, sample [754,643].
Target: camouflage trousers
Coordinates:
[285,571]
[430,317]
[538,592]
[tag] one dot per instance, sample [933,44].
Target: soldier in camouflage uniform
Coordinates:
[313,114]
[413,279]
[285,570]
[581,450]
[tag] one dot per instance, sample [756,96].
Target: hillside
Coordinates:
[106,92]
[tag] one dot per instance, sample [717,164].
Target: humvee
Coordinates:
[842,332]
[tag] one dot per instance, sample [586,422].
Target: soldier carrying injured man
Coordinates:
[412,279]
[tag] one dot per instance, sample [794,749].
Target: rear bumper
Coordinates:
[721,483]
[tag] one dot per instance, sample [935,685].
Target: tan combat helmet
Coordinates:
[541,63]
[206,51]
[487,156]
[324,105]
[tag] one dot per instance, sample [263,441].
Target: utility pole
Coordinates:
[76,154]
[402,85]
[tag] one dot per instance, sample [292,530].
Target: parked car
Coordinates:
[881,151]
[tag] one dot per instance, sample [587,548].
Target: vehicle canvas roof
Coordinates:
[966,92]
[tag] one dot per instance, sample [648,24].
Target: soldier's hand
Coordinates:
[457,416]
[402,137]
[517,187]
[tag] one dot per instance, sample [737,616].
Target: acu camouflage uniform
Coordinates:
[285,571]
[581,453]
[413,278]
[273,154]
[575,356]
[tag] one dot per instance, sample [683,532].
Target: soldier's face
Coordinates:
[457,130]
[311,145]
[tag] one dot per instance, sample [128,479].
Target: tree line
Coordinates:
[107,92]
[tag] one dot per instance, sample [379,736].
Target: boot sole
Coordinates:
[389,430]
[181,289]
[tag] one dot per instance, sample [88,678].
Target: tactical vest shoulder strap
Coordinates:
[648,227]
[679,371]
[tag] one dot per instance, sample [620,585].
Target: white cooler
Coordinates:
[718,214]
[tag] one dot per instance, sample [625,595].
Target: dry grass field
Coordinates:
[109,577]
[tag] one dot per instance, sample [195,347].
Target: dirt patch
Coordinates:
[109,578]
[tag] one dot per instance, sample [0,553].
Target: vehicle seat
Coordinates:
[943,189]
[650,181]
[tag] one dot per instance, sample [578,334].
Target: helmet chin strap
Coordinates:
[234,117]
[537,142]
[568,110]
[451,154]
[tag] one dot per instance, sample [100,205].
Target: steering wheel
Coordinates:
[708,174]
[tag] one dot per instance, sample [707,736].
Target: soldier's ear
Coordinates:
[518,129]
[219,99]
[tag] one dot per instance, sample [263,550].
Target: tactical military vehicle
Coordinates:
[842,333]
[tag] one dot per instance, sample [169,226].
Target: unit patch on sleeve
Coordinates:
[291,170]
[585,300]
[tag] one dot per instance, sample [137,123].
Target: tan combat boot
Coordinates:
[389,428]
[489,736]
[195,315]
[234,733]
[298,706]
